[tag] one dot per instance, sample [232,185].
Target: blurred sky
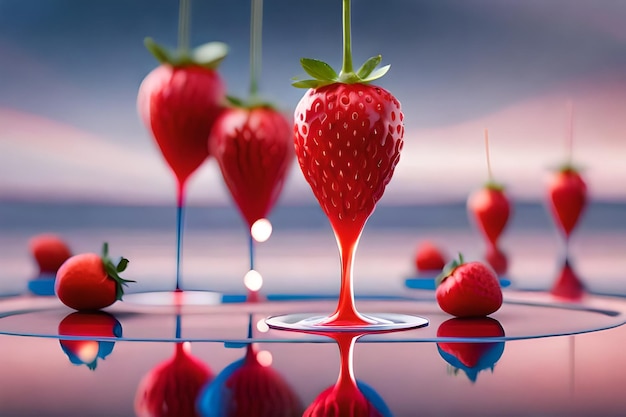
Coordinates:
[70,70]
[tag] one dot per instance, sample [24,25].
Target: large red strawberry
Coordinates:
[254,149]
[567,285]
[468,289]
[179,101]
[472,356]
[348,138]
[348,142]
[567,194]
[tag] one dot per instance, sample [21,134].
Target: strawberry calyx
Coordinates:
[494,186]
[209,55]
[323,74]
[253,102]
[449,269]
[568,168]
[113,270]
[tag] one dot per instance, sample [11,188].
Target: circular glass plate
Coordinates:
[314,322]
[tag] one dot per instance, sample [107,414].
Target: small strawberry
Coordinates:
[567,285]
[475,356]
[89,281]
[489,207]
[179,101]
[429,258]
[468,289]
[254,149]
[567,194]
[49,251]
[348,138]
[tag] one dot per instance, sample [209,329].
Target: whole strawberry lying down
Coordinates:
[89,281]
[468,289]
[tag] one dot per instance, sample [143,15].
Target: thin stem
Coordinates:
[184,25]
[346,344]
[569,132]
[251,250]
[489,172]
[180,220]
[347,41]
[256,36]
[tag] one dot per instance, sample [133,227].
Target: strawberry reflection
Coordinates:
[471,357]
[172,387]
[249,387]
[86,329]
[348,397]
[567,285]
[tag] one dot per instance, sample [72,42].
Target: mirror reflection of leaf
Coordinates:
[474,356]
[92,326]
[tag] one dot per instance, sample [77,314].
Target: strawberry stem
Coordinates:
[489,172]
[347,71]
[569,132]
[184,12]
[113,270]
[256,33]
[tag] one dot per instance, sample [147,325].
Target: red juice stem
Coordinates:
[346,379]
[180,220]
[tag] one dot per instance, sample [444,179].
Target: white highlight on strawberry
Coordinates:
[253,280]
[261,230]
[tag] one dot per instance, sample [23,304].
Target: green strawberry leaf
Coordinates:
[210,55]
[369,65]
[235,101]
[309,83]
[318,69]
[377,74]
[449,269]
[159,52]
[121,265]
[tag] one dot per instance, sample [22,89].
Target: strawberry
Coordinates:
[49,251]
[179,101]
[89,281]
[489,208]
[253,147]
[471,357]
[429,257]
[348,138]
[468,289]
[567,285]
[567,194]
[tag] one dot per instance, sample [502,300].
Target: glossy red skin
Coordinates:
[429,258]
[49,251]
[472,290]
[95,323]
[172,387]
[83,284]
[341,402]
[348,139]
[567,285]
[257,391]
[497,259]
[567,194]
[254,149]
[489,209]
[469,354]
[179,105]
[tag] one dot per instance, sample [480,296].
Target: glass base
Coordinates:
[174,298]
[314,322]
